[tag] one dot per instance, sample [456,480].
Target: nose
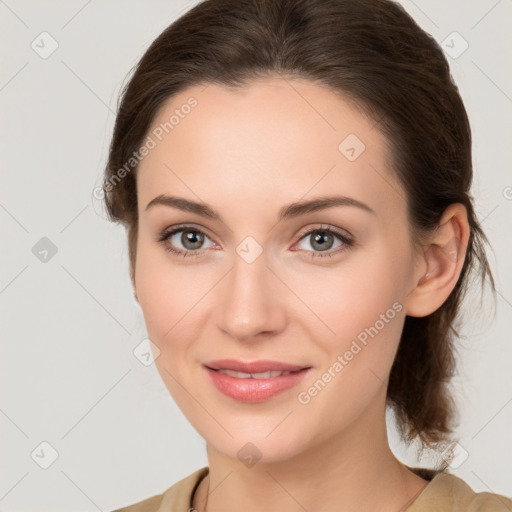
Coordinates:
[251,300]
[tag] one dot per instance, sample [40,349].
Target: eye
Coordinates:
[189,237]
[322,240]
[192,240]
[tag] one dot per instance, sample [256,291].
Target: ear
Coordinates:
[441,263]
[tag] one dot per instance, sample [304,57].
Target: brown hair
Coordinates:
[373,53]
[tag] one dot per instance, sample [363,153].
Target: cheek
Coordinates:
[358,319]
[163,292]
[174,299]
[364,315]
[160,288]
[345,299]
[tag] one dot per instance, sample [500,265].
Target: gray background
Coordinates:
[70,323]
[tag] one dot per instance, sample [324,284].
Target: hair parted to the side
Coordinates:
[372,53]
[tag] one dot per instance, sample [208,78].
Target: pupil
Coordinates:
[191,237]
[319,237]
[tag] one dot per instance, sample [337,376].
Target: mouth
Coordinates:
[254,382]
[259,375]
[254,367]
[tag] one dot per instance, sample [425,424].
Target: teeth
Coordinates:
[261,375]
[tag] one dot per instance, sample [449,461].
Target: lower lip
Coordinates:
[254,390]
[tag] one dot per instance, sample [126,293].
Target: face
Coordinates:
[320,288]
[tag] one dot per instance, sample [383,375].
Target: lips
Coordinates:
[255,375]
[255,381]
[254,367]
[254,387]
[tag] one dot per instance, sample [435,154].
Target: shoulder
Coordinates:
[148,505]
[447,492]
[176,497]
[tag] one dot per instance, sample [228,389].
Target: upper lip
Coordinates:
[253,366]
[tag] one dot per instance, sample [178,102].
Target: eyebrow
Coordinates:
[286,212]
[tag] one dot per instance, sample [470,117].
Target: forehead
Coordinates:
[273,136]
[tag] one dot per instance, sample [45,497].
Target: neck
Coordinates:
[354,470]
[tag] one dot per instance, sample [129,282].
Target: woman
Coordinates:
[251,134]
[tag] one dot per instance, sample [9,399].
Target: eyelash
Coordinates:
[166,234]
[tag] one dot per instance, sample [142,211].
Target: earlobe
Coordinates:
[442,263]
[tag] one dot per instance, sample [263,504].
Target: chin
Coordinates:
[251,448]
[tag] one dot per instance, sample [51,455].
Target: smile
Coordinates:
[254,387]
[260,375]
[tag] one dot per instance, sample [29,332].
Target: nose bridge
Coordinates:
[250,301]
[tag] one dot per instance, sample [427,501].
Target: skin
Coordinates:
[247,153]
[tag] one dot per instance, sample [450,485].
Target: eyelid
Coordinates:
[300,235]
[347,242]
[164,235]
[181,227]
[344,236]
[325,227]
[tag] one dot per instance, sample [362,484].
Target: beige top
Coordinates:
[444,493]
